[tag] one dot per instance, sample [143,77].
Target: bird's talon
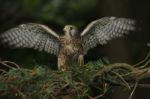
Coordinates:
[81,60]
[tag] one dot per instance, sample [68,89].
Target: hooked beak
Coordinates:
[64,29]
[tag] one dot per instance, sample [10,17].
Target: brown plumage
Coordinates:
[71,47]
[70,51]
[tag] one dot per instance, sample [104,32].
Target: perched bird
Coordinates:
[73,45]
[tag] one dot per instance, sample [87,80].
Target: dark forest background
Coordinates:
[57,13]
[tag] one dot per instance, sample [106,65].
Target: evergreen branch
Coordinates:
[77,81]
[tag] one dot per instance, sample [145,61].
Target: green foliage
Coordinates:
[95,79]
[43,83]
[39,84]
[95,64]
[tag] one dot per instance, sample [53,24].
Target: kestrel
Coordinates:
[73,45]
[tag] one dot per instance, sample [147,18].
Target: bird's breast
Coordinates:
[70,46]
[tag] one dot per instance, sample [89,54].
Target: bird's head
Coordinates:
[71,30]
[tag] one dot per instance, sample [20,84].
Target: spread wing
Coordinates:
[102,30]
[31,35]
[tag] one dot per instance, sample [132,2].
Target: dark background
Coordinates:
[57,13]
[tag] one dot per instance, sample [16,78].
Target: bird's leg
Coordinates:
[81,60]
[62,62]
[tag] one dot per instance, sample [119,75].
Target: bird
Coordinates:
[73,45]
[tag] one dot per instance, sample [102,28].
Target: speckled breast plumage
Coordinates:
[70,47]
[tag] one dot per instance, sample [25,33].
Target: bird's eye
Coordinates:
[71,28]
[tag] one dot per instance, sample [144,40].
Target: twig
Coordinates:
[6,65]
[9,62]
[139,74]
[101,95]
[21,94]
[124,81]
[134,88]
[3,71]
[137,64]
[145,65]
[141,85]
[108,68]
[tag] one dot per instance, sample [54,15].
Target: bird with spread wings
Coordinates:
[72,46]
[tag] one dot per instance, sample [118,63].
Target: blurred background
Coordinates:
[57,13]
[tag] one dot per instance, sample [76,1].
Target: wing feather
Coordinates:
[102,30]
[31,35]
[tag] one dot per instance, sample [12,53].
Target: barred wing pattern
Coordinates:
[102,30]
[31,35]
